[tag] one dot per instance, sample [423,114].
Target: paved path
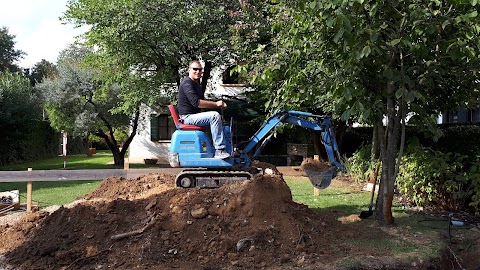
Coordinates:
[66,175]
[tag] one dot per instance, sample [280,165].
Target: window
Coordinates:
[161,127]
[476,115]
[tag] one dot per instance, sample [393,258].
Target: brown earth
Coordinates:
[146,223]
[315,165]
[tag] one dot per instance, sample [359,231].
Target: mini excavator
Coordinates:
[191,148]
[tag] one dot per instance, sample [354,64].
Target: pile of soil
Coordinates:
[146,223]
[130,189]
[142,224]
[315,165]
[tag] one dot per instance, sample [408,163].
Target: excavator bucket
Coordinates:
[323,179]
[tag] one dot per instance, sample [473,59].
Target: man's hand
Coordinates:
[221,104]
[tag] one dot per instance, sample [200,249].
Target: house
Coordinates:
[156,126]
[460,116]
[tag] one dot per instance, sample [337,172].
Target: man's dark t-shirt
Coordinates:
[189,95]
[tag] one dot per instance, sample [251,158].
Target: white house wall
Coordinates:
[142,147]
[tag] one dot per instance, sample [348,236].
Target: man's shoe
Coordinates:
[220,153]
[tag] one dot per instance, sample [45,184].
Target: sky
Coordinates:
[37,28]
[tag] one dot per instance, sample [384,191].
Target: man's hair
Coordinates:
[194,61]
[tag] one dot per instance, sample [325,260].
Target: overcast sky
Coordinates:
[37,28]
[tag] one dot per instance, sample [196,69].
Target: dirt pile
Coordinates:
[129,189]
[314,165]
[147,224]
[319,172]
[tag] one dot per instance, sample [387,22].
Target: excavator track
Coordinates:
[210,178]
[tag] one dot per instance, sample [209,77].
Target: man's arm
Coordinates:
[207,104]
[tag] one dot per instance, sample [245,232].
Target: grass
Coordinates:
[62,192]
[337,197]
[101,160]
[343,200]
[52,192]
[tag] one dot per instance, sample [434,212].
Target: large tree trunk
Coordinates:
[392,143]
[109,137]
[389,145]
[126,144]
[207,70]
[375,154]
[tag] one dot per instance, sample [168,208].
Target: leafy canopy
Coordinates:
[76,100]
[344,53]
[8,53]
[153,40]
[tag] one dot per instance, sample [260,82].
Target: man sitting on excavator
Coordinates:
[191,99]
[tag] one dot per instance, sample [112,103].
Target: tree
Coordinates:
[19,109]
[78,101]
[373,60]
[156,39]
[8,54]
[41,71]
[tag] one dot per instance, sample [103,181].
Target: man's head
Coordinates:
[195,70]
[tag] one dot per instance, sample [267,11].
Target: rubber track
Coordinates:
[215,178]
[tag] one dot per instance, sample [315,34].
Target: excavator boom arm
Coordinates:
[295,118]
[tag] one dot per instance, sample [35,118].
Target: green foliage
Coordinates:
[341,55]
[358,165]
[473,177]
[8,54]
[40,71]
[366,61]
[460,138]
[76,101]
[19,113]
[153,40]
[41,142]
[432,178]
[82,103]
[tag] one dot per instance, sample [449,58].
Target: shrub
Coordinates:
[430,177]
[473,176]
[19,112]
[358,165]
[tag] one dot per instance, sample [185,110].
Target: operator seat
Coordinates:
[178,124]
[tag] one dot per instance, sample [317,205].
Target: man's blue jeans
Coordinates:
[211,118]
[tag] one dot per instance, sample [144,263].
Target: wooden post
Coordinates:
[29,194]
[126,165]
[316,191]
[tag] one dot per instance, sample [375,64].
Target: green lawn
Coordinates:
[101,160]
[52,192]
[62,192]
[334,197]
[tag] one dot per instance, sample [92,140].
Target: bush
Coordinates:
[19,112]
[358,165]
[430,177]
[473,177]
